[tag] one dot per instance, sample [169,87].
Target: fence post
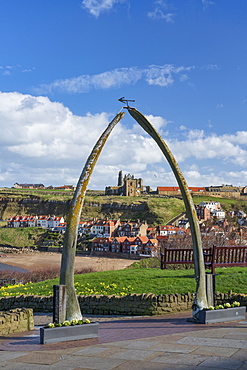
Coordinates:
[59,303]
[210,288]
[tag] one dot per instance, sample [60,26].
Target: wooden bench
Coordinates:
[230,256]
[216,256]
[173,256]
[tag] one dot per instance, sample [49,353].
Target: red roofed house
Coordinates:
[128,242]
[175,190]
[140,245]
[164,230]
[116,244]
[102,244]
[129,229]
[104,228]
[22,221]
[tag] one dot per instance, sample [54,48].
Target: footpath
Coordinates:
[148,343]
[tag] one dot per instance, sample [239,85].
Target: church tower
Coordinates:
[120,178]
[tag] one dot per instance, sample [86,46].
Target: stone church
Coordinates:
[127,186]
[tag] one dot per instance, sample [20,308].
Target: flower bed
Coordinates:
[69,330]
[222,313]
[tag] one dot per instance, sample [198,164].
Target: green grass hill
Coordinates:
[155,210]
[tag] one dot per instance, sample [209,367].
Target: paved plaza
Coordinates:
[151,343]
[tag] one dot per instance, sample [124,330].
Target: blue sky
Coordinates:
[64,64]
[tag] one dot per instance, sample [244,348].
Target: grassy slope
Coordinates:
[21,237]
[43,194]
[227,204]
[156,281]
[157,210]
[160,211]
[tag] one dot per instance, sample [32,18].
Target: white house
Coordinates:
[97,228]
[164,230]
[42,221]
[218,213]
[184,223]
[31,220]
[54,221]
[210,205]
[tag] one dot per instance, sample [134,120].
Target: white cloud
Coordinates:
[209,67]
[198,145]
[183,77]
[161,11]
[183,128]
[96,7]
[240,138]
[154,75]
[43,141]
[158,122]
[195,134]
[195,178]
[159,14]
[9,70]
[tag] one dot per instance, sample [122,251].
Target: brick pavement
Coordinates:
[158,342]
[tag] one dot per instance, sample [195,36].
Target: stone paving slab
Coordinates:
[91,351]
[215,351]
[137,365]
[236,335]
[214,342]
[111,352]
[240,355]
[87,362]
[41,358]
[179,348]
[8,356]
[169,339]
[22,366]
[243,367]
[180,359]
[134,354]
[138,344]
[221,363]
[211,333]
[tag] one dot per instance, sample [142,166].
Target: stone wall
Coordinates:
[135,304]
[16,320]
[230,297]
[132,304]
[37,303]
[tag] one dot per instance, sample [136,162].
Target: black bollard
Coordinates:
[59,303]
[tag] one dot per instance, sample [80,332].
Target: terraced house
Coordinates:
[129,229]
[105,228]
[32,221]
[142,245]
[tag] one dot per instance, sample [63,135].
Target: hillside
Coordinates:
[226,203]
[155,210]
[21,237]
